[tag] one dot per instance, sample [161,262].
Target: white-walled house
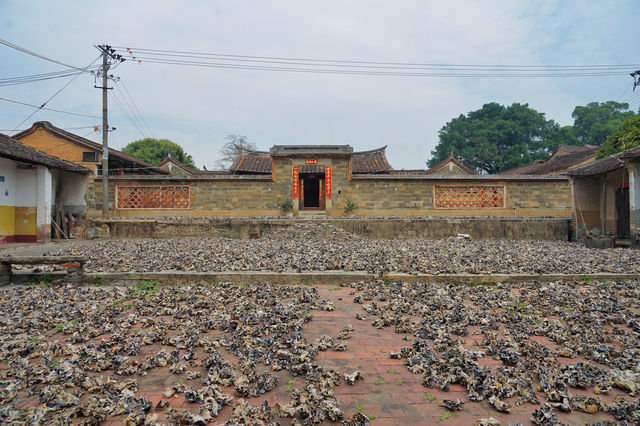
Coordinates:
[34,189]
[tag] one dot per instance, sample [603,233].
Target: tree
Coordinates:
[627,137]
[235,144]
[595,122]
[153,151]
[497,138]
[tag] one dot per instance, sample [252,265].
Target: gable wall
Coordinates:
[56,146]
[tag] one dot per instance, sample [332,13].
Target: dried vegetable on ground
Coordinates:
[87,354]
[559,347]
[327,247]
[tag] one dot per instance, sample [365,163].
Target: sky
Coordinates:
[198,107]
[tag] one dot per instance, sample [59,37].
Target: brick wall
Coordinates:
[374,197]
[48,143]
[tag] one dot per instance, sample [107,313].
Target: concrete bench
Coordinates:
[73,265]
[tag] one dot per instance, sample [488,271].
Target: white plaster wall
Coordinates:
[8,187]
[26,187]
[43,200]
[74,188]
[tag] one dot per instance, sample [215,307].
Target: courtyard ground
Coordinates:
[113,354]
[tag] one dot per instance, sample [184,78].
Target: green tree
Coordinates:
[595,122]
[627,137]
[235,144]
[497,138]
[153,151]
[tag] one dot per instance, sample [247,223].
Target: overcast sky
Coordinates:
[198,107]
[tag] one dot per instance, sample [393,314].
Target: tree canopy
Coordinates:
[153,151]
[596,121]
[229,151]
[628,136]
[496,138]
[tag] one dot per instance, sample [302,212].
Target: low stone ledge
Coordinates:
[318,277]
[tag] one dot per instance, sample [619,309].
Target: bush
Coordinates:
[350,207]
[287,205]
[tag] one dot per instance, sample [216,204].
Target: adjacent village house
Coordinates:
[38,192]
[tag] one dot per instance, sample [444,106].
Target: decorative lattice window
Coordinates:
[469,196]
[163,197]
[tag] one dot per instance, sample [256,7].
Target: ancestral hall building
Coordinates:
[319,179]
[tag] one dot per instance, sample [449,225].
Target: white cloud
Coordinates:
[199,107]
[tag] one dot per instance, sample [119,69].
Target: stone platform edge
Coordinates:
[310,278]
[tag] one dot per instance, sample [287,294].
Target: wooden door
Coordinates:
[301,196]
[623,222]
[321,197]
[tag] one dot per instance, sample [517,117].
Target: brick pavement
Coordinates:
[389,393]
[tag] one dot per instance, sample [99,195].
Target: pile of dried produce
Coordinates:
[84,354]
[593,330]
[330,248]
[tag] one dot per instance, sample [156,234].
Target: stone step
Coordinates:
[623,243]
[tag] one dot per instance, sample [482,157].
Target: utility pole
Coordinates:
[105,135]
[108,55]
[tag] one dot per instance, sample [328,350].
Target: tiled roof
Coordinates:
[604,165]
[251,163]
[607,164]
[527,169]
[179,164]
[573,148]
[632,153]
[374,161]
[556,163]
[453,160]
[86,142]
[17,151]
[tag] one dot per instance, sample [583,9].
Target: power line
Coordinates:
[66,128]
[127,114]
[407,72]
[34,78]
[383,73]
[38,55]
[337,61]
[140,116]
[55,94]
[49,109]
[624,91]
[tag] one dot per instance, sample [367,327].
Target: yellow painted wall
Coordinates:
[50,144]
[7,221]
[25,220]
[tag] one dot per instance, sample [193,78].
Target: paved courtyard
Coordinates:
[214,352]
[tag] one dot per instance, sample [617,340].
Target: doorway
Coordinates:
[623,220]
[312,191]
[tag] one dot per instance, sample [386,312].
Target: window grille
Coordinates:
[161,197]
[89,157]
[469,196]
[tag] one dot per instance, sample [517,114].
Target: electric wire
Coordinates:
[635,100]
[55,94]
[140,116]
[49,109]
[66,128]
[126,108]
[38,55]
[13,81]
[351,67]
[624,91]
[127,114]
[405,64]
[383,73]
[633,94]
